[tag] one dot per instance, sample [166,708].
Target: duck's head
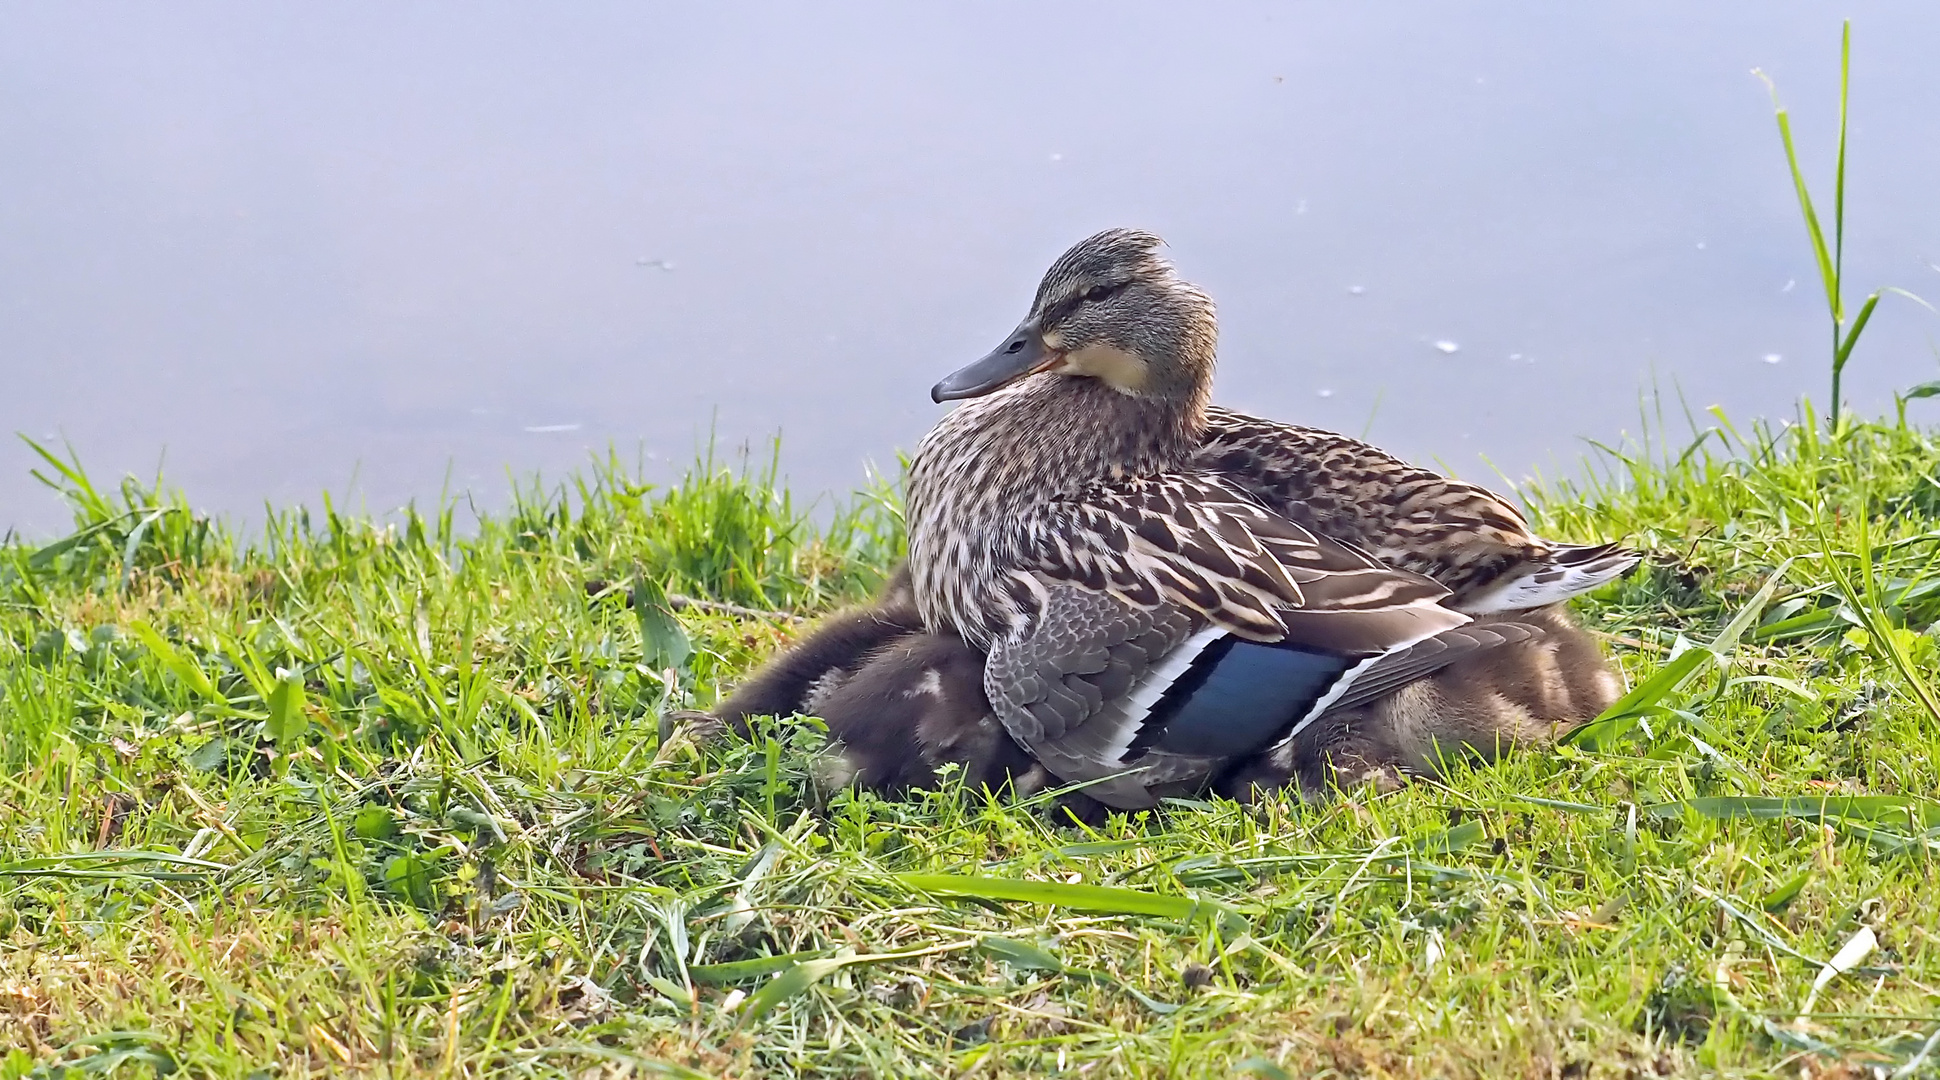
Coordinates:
[1108,309]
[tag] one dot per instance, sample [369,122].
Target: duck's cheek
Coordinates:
[1116,368]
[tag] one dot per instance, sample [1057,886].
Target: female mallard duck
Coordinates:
[1462,535]
[1147,624]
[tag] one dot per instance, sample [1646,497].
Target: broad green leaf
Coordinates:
[374,823]
[287,719]
[663,641]
[1452,839]
[409,878]
[210,755]
[673,991]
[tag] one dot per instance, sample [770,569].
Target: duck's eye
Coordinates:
[1098,292]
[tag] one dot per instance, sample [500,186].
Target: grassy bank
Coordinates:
[351,798]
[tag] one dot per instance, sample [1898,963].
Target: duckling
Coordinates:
[838,647]
[1519,696]
[1147,625]
[912,706]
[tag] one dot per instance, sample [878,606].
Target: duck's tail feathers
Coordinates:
[1570,570]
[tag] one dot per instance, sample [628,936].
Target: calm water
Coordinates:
[367,248]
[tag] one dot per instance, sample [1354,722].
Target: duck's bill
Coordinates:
[1023,353]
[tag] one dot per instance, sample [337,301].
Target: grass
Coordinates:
[389,799]
[1831,258]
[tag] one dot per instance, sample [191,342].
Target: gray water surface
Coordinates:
[377,248]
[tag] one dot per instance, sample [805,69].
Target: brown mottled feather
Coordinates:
[1460,534]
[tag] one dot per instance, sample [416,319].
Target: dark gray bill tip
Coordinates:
[1021,354]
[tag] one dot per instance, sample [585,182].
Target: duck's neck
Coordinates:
[985,473]
[1051,436]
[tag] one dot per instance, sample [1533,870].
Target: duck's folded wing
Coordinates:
[1064,690]
[1195,541]
[1086,649]
[1463,535]
[1137,701]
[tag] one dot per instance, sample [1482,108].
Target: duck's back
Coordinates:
[1460,534]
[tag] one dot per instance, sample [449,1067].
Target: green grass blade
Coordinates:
[44,557]
[1839,173]
[1562,804]
[1781,898]
[1104,898]
[1019,954]
[1877,809]
[1821,254]
[183,667]
[719,974]
[797,978]
[1025,956]
[794,979]
[1619,718]
[1844,352]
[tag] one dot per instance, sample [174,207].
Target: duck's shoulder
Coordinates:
[1199,543]
[1198,513]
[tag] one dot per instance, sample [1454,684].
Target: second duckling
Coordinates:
[1517,696]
